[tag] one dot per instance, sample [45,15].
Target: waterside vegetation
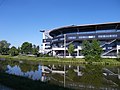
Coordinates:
[30,52]
[109,61]
[91,50]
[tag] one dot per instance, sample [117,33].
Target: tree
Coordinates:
[34,50]
[4,47]
[92,75]
[26,48]
[71,49]
[91,51]
[86,49]
[13,51]
[19,50]
[71,74]
[38,48]
[96,50]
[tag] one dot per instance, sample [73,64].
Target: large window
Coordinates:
[61,38]
[55,40]
[82,32]
[118,30]
[107,36]
[87,36]
[86,32]
[104,31]
[71,37]
[47,44]
[91,32]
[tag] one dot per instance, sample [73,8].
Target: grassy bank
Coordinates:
[22,83]
[60,60]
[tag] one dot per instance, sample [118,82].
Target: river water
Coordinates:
[83,77]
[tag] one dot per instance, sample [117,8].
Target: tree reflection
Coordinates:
[24,66]
[71,74]
[82,76]
[92,75]
[28,67]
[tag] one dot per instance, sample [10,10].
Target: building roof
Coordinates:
[84,28]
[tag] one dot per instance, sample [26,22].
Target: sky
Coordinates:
[21,20]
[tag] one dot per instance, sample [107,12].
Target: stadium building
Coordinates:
[56,41]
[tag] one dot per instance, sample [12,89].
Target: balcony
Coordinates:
[59,48]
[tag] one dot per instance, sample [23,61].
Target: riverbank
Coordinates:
[109,61]
[22,83]
[2,87]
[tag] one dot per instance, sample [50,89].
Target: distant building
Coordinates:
[56,41]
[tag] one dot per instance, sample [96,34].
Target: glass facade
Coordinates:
[107,36]
[72,37]
[86,37]
[91,32]
[105,31]
[61,38]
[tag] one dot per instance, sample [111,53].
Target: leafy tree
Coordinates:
[96,50]
[34,50]
[4,47]
[86,49]
[13,51]
[19,50]
[38,48]
[91,51]
[26,48]
[71,49]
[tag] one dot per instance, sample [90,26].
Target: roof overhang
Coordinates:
[84,28]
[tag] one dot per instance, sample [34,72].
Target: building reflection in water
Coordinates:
[72,76]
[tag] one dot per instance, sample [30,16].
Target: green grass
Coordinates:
[22,83]
[60,60]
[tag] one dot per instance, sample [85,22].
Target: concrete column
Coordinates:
[78,52]
[117,49]
[54,53]
[78,68]
[64,45]
[43,35]
[43,44]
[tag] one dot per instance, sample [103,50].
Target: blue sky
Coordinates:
[21,20]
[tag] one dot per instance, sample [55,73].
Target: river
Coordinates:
[95,77]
